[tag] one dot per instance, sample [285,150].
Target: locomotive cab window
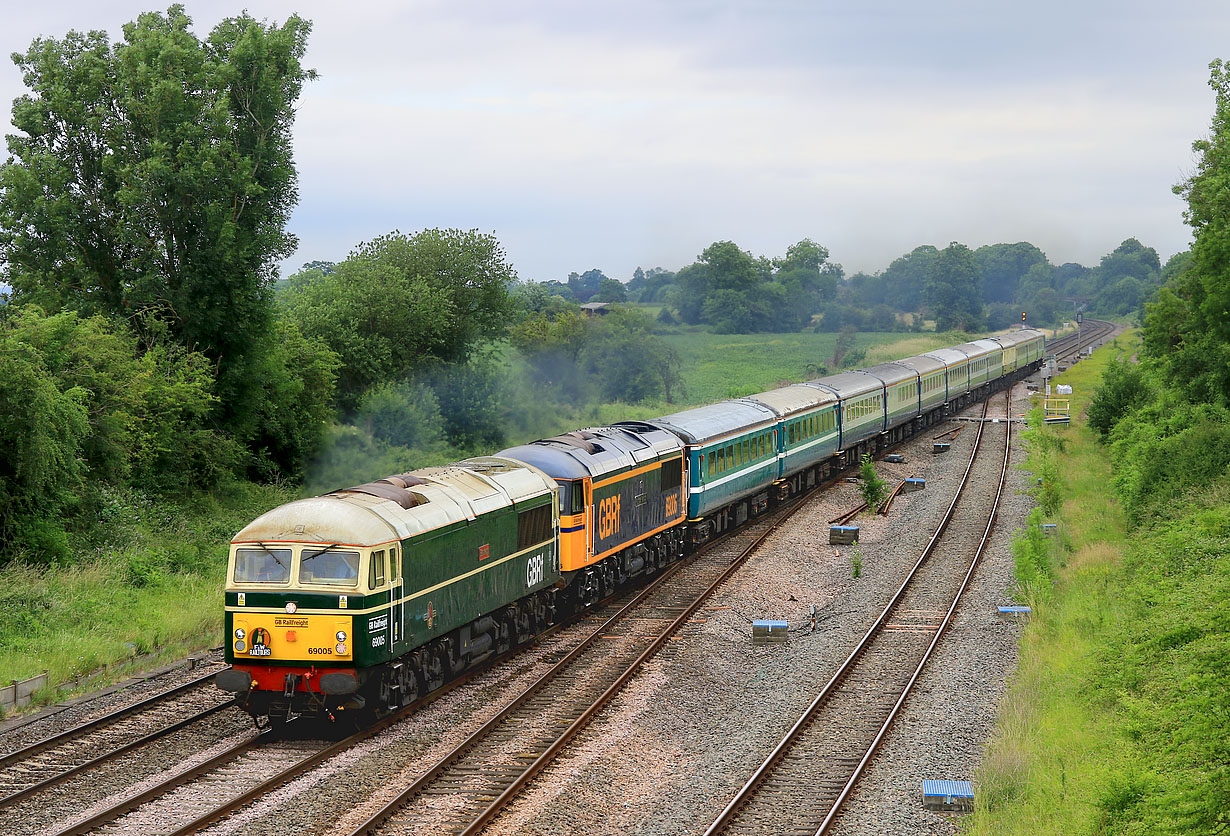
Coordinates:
[375,572]
[572,497]
[672,475]
[533,526]
[262,565]
[328,567]
[394,566]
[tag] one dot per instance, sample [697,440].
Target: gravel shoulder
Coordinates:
[679,742]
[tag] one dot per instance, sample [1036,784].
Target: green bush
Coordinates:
[42,432]
[1124,387]
[873,488]
[1166,450]
[1031,551]
[403,414]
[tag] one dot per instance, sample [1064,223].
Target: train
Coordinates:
[357,602]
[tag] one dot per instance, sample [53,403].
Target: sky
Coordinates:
[618,135]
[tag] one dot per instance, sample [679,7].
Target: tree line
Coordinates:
[734,291]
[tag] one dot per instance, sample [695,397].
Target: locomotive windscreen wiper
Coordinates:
[306,557]
[269,552]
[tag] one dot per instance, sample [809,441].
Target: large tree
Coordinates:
[468,268]
[400,300]
[1189,325]
[152,179]
[1003,266]
[954,289]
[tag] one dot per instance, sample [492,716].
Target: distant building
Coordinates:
[596,308]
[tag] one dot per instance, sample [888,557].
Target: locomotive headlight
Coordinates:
[341,636]
[341,648]
[240,633]
[240,647]
[291,606]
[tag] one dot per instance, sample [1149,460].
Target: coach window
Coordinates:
[730,456]
[712,463]
[721,466]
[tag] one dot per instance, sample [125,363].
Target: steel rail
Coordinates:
[753,783]
[61,777]
[845,517]
[177,780]
[969,574]
[380,817]
[887,503]
[294,771]
[581,722]
[311,761]
[76,731]
[954,432]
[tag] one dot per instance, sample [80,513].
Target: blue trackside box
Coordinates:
[843,535]
[769,632]
[950,796]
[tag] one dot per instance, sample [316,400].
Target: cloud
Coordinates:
[636,134]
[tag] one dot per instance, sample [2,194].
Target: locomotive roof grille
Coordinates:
[394,488]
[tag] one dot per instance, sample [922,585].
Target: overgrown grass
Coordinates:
[1116,719]
[155,586]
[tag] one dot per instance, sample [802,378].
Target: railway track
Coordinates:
[1091,333]
[188,802]
[472,784]
[802,784]
[55,759]
[194,798]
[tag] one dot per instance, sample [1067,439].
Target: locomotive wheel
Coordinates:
[411,689]
[506,628]
[435,670]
